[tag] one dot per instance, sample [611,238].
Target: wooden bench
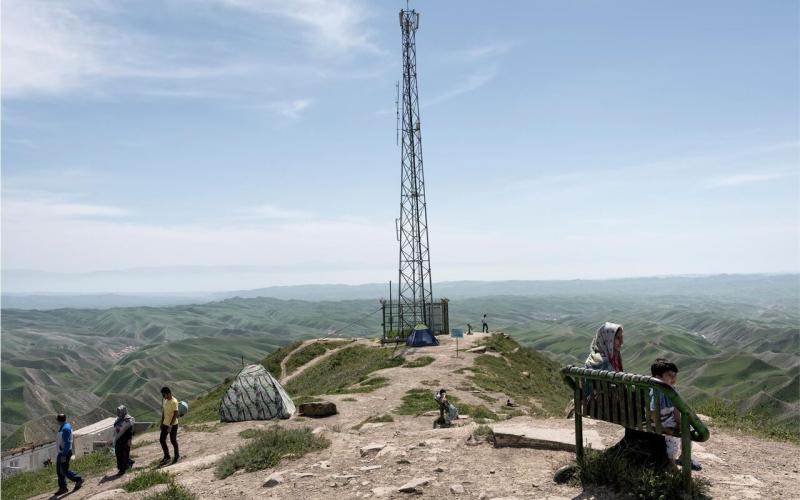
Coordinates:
[624,399]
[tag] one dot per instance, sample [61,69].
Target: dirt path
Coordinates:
[286,378]
[291,353]
[737,467]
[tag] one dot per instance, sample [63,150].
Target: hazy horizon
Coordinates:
[200,280]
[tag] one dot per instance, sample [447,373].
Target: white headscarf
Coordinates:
[123,422]
[602,345]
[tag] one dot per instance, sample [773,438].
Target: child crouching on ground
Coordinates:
[665,370]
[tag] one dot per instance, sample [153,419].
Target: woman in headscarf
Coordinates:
[123,435]
[605,349]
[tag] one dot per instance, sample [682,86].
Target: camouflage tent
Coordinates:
[255,395]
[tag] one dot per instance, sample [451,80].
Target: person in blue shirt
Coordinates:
[65,450]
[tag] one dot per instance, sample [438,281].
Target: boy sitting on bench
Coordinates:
[665,370]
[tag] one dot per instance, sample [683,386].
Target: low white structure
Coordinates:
[84,441]
[28,458]
[93,437]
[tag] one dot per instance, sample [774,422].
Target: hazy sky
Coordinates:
[561,139]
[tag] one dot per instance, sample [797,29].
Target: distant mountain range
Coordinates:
[734,337]
[755,287]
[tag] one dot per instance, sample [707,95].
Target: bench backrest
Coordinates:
[624,399]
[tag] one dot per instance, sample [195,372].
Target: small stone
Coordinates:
[456,489]
[364,483]
[491,471]
[370,467]
[382,491]
[372,449]
[438,469]
[413,485]
[303,475]
[483,496]
[403,461]
[333,485]
[273,480]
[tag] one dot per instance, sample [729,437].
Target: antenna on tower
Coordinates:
[397,113]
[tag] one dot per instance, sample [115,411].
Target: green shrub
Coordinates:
[419,401]
[611,468]
[482,432]
[174,492]
[268,447]
[419,362]
[146,479]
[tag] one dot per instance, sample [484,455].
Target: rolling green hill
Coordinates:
[738,346]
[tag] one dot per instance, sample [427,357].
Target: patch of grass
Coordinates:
[419,362]
[273,360]
[30,484]
[502,374]
[147,479]
[352,365]
[370,385]
[309,352]
[249,433]
[431,383]
[726,415]
[611,469]
[174,492]
[202,427]
[482,432]
[139,444]
[374,419]
[478,413]
[417,402]
[205,408]
[268,447]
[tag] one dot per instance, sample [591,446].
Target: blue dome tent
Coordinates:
[421,336]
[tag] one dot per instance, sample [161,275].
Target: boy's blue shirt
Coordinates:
[66,438]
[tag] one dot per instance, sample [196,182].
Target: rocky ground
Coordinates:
[378,460]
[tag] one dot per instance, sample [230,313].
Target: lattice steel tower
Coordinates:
[415,294]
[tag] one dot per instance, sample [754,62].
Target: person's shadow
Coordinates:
[111,477]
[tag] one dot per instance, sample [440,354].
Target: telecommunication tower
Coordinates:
[415,293]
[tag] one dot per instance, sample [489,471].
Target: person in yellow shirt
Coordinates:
[169,425]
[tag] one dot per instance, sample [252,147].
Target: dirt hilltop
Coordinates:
[444,462]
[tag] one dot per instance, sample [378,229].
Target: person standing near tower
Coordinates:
[485,327]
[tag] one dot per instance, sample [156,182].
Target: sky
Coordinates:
[561,139]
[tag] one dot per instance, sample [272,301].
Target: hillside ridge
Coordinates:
[405,445]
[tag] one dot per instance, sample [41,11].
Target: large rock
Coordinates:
[318,409]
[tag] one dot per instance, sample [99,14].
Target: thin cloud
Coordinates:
[491,49]
[331,25]
[743,179]
[271,212]
[469,84]
[293,109]
[57,47]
